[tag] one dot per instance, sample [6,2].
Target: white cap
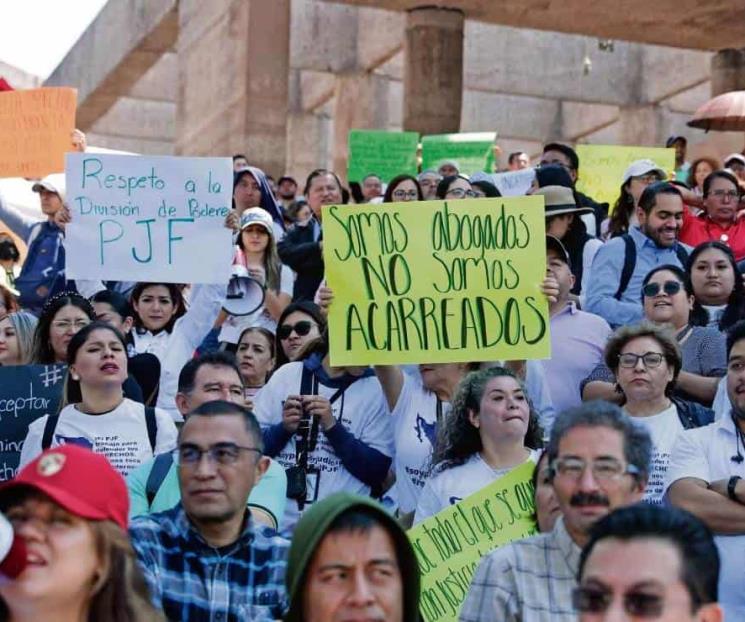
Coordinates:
[642,167]
[52,183]
[734,156]
[257,216]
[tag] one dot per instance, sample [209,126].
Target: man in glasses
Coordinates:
[599,460]
[621,264]
[648,563]
[206,559]
[705,477]
[154,486]
[566,157]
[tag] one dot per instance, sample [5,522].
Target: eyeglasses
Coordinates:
[65,325]
[729,194]
[403,194]
[224,454]
[603,469]
[629,360]
[669,287]
[460,193]
[636,604]
[649,178]
[543,163]
[302,328]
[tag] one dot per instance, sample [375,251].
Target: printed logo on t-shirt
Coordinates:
[424,429]
[80,441]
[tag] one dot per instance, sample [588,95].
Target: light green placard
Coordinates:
[601,168]
[385,154]
[450,544]
[471,151]
[437,281]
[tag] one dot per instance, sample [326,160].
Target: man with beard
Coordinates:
[287,190]
[620,265]
[705,477]
[599,461]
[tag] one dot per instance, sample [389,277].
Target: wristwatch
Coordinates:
[731,488]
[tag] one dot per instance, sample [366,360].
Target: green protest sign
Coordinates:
[450,544]
[472,152]
[437,281]
[386,154]
[601,167]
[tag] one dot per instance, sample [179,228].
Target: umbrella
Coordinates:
[725,113]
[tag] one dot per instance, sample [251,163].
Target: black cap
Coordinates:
[286,178]
[554,243]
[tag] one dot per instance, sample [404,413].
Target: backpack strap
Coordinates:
[629,262]
[306,382]
[49,428]
[152,426]
[161,466]
[682,254]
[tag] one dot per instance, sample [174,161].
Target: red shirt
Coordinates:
[698,229]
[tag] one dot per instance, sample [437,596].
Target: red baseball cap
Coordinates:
[81,481]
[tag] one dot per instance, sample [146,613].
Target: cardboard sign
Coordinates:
[601,168]
[514,183]
[437,281]
[450,544]
[148,218]
[385,154]
[36,130]
[27,392]
[471,151]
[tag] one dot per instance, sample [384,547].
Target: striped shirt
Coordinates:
[195,582]
[528,580]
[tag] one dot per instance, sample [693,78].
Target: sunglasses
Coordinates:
[636,604]
[650,290]
[302,328]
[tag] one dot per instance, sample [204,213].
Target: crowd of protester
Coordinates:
[256,481]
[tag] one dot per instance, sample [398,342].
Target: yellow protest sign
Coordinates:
[436,281]
[35,131]
[601,168]
[449,545]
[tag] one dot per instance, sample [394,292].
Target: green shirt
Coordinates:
[270,494]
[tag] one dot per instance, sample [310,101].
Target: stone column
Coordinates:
[433,70]
[727,71]
[360,102]
[641,125]
[234,60]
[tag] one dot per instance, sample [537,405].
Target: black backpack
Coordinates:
[629,262]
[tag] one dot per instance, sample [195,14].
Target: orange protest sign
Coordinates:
[35,131]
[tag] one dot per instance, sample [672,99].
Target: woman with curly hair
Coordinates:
[491,429]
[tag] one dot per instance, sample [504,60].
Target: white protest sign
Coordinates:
[514,183]
[148,218]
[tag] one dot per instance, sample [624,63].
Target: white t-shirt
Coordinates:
[705,453]
[120,434]
[415,426]
[361,409]
[664,428]
[234,325]
[453,485]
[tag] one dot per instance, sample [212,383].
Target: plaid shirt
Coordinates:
[528,580]
[194,582]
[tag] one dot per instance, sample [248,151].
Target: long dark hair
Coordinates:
[303,306]
[620,218]
[268,337]
[41,352]
[73,393]
[735,309]
[458,439]
[174,291]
